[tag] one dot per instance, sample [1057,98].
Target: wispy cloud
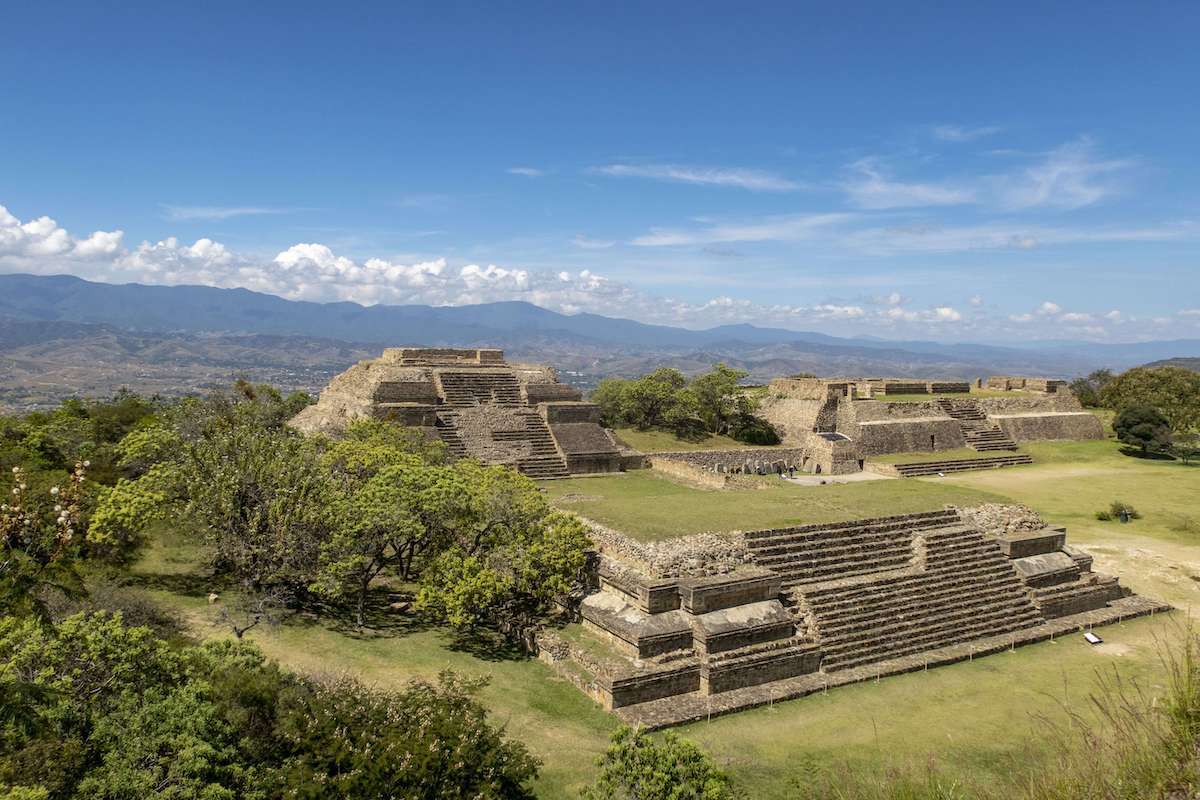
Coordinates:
[958,133]
[869,188]
[528,172]
[785,228]
[221,212]
[1068,177]
[751,179]
[588,243]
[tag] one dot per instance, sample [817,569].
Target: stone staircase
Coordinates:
[918,468]
[980,434]
[966,589]
[543,460]
[812,553]
[466,388]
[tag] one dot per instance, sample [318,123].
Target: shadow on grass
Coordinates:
[385,614]
[188,584]
[1133,452]
[486,644]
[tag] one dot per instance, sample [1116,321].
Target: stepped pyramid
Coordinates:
[480,405]
[805,608]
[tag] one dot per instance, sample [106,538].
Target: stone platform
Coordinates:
[682,709]
[479,405]
[807,607]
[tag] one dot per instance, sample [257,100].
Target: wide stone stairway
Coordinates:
[979,433]
[475,388]
[529,440]
[916,469]
[812,553]
[874,590]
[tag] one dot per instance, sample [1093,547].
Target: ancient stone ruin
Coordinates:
[479,405]
[841,422]
[674,633]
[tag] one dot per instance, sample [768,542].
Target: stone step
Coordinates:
[784,537]
[913,646]
[917,518]
[926,626]
[928,633]
[920,607]
[921,468]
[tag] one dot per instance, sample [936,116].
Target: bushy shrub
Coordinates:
[1115,510]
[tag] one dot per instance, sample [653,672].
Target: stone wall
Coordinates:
[411,415]
[1000,519]
[1053,425]
[562,412]
[1017,403]
[693,555]
[551,393]
[690,474]
[728,459]
[927,434]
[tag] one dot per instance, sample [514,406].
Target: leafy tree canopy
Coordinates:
[637,767]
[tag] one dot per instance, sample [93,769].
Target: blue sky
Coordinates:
[998,171]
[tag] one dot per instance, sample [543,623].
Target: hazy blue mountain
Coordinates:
[521,326]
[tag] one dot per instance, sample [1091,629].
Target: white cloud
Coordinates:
[588,243]
[958,133]
[976,300]
[871,189]
[219,212]
[751,179]
[946,314]
[829,311]
[785,228]
[1068,177]
[845,231]
[317,272]
[528,172]
[31,242]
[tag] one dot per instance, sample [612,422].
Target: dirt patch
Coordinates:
[578,498]
[1112,648]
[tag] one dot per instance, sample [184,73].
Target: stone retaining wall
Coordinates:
[686,556]
[1060,425]
[909,436]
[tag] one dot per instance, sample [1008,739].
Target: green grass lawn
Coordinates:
[653,441]
[648,506]
[980,721]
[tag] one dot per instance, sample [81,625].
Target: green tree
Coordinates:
[1088,389]
[648,401]
[636,767]
[39,542]
[717,393]
[95,709]
[505,555]
[609,395]
[1173,391]
[1144,427]
[428,741]
[1186,447]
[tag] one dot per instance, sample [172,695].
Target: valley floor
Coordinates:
[984,722]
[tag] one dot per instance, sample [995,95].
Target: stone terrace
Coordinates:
[822,605]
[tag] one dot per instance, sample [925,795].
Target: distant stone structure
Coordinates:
[478,404]
[842,422]
[717,624]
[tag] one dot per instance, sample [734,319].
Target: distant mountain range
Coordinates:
[166,333]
